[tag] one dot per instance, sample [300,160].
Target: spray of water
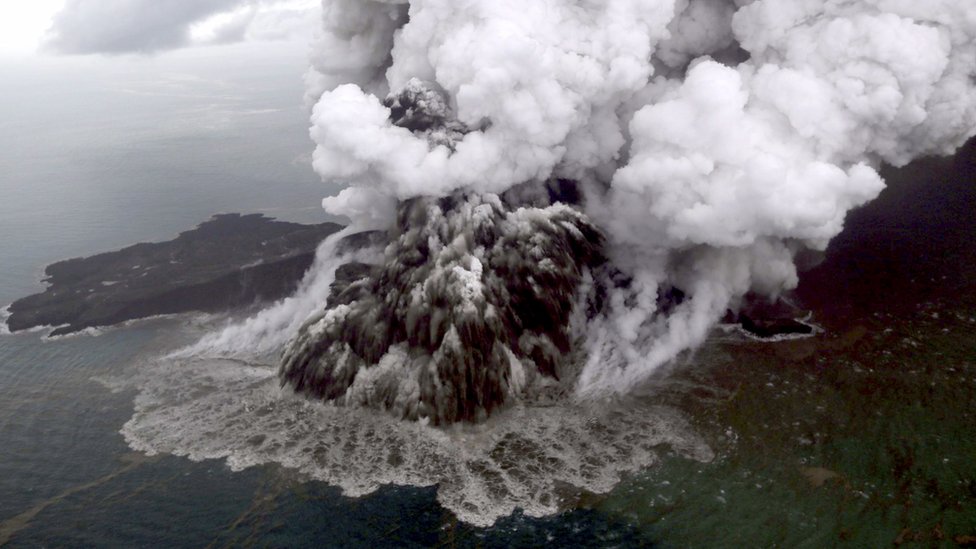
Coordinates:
[262,335]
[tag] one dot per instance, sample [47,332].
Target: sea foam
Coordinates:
[524,457]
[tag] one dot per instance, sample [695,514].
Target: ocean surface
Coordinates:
[861,435]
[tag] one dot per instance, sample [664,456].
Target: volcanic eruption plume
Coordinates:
[595,179]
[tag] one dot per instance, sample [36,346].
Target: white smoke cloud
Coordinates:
[716,138]
[735,167]
[355,45]
[542,81]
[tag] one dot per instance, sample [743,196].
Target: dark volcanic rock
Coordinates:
[423,108]
[469,303]
[766,319]
[228,261]
[772,327]
[362,241]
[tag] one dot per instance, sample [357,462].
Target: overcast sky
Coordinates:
[148,26]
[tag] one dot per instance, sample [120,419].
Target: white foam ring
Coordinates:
[815,330]
[224,409]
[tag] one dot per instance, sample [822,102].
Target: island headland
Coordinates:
[230,261]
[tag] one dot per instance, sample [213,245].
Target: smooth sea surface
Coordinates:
[860,436]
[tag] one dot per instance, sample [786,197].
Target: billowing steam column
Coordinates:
[713,140]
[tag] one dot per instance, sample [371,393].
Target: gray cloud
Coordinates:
[148,26]
[127,26]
